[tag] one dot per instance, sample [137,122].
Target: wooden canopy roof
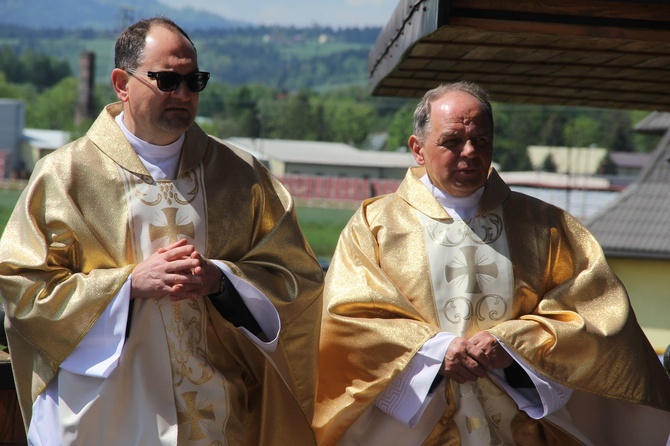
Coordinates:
[598,53]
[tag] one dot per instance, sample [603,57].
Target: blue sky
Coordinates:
[300,13]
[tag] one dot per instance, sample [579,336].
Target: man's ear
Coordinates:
[415,147]
[120,83]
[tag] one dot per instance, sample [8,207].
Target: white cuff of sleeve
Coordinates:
[547,397]
[260,307]
[97,354]
[406,398]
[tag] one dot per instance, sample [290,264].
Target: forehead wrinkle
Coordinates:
[175,61]
[453,131]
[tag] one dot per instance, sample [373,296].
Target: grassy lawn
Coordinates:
[8,199]
[322,228]
[7,202]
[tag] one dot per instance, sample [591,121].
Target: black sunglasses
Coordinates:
[170,80]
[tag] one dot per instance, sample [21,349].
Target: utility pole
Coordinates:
[86,85]
[124,18]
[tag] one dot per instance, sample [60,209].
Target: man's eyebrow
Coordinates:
[451,132]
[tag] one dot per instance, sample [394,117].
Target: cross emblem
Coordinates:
[172,229]
[193,415]
[472,269]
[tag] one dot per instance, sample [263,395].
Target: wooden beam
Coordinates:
[444,42]
[650,75]
[563,29]
[631,10]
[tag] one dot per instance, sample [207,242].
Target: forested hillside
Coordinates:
[287,58]
[287,83]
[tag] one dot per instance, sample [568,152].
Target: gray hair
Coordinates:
[422,111]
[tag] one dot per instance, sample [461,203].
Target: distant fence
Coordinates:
[346,191]
[9,184]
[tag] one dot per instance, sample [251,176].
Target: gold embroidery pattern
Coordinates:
[146,192]
[490,307]
[487,308]
[473,281]
[172,227]
[471,269]
[161,212]
[482,230]
[189,177]
[484,407]
[474,423]
[499,411]
[187,343]
[496,306]
[194,415]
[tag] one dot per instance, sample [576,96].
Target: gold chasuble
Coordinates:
[185,376]
[523,270]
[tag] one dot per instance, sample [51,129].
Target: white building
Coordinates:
[568,160]
[287,157]
[20,148]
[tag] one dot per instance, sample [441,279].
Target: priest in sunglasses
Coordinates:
[158,288]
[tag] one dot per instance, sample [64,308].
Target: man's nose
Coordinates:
[468,149]
[182,92]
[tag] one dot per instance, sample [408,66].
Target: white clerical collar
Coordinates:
[460,208]
[161,161]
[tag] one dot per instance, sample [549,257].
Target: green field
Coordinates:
[7,201]
[322,227]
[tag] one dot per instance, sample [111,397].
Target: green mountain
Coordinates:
[102,14]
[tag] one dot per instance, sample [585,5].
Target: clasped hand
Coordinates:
[470,359]
[177,271]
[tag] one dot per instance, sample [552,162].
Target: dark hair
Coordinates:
[129,49]
[422,111]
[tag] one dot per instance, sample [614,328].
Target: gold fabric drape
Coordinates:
[67,249]
[571,319]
